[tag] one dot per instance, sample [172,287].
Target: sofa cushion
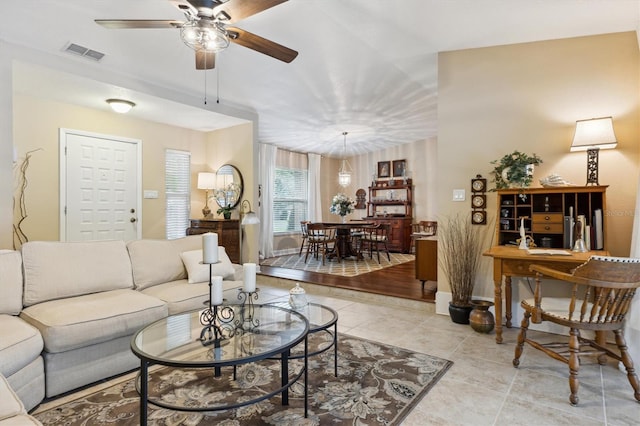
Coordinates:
[197,272]
[10,404]
[20,344]
[81,321]
[158,261]
[10,282]
[183,297]
[57,270]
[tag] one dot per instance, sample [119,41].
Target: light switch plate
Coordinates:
[458,195]
[148,193]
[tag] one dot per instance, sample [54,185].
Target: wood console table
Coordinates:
[228,231]
[510,261]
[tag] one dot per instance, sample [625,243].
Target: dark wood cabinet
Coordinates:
[400,228]
[391,202]
[427,259]
[228,231]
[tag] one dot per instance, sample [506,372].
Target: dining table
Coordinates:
[343,237]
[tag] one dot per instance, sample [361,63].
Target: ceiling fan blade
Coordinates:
[205,60]
[240,9]
[262,45]
[117,24]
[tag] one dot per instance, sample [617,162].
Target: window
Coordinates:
[290,199]
[177,177]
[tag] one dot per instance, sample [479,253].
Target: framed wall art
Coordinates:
[399,167]
[384,169]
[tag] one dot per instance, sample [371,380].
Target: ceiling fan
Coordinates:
[206,28]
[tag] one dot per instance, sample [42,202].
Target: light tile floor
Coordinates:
[482,387]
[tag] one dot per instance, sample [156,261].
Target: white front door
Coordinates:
[99,187]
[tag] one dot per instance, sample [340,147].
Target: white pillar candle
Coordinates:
[210,248]
[216,290]
[249,277]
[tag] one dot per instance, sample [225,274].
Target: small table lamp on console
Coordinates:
[593,135]
[206,181]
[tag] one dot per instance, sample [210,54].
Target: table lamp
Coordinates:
[206,181]
[593,135]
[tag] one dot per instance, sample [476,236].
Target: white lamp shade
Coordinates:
[206,180]
[594,133]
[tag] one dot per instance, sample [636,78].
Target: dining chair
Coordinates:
[321,240]
[376,237]
[601,292]
[422,229]
[305,234]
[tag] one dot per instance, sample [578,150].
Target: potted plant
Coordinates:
[460,244]
[514,170]
[226,211]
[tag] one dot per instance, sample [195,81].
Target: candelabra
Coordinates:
[246,299]
[216,319]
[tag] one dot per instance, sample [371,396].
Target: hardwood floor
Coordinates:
[397,281]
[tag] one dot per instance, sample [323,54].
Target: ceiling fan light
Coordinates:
[120,106]
[204,35]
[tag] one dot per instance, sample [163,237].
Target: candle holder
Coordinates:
[216,319]
[246,299]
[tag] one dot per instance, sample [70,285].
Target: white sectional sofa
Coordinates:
[72,307]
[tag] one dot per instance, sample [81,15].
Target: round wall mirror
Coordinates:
[229,186]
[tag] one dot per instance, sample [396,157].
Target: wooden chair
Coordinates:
[321,240]
[305,234]
[375,237]
[422,229]
[601,293]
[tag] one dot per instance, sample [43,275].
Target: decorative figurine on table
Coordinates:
[525,241]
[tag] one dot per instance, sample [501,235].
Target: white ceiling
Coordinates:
[368,67]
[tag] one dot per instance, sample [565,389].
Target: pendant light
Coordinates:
[344,174]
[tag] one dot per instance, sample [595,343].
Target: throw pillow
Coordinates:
[198,272]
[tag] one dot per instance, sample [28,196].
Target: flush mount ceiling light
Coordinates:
[120,105]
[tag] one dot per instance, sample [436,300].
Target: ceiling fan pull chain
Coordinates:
[218,83]
[205,87]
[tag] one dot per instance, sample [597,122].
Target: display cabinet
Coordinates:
[550,215]
[228,231]
[391,202]
[390,198]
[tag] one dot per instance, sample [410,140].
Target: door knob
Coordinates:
[132,210]
[133,219]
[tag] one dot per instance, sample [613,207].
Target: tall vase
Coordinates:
[344,219]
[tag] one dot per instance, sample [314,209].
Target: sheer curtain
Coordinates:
[632,325]
[315,207]
[267,161]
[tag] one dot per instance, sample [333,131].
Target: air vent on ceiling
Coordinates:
[83,51]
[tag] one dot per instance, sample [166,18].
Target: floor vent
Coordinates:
[83,51]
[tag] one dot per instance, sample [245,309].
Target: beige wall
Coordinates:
[42,197]
[494,100]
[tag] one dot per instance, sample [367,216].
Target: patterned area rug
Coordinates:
[377,384]
[346,268]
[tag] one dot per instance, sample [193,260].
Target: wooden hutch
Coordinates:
[549,215]
[391,202]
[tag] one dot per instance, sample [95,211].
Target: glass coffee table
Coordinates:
[182,341]
[321,319]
